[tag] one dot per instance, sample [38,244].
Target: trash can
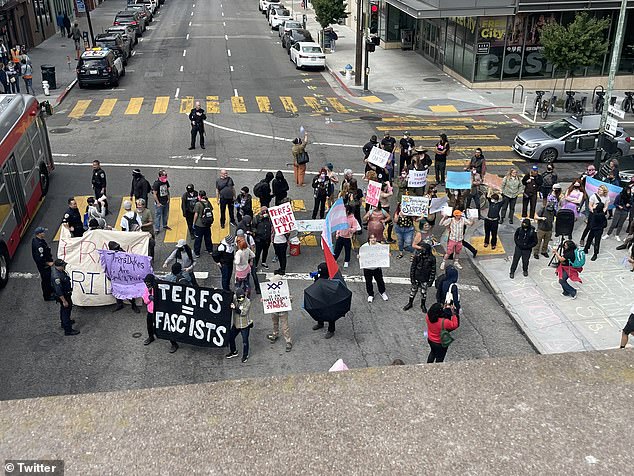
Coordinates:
[48,74]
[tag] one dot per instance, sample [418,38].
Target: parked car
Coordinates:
[99,66]
[270,7]
[566,139]
[308,55]
[289,25]
[115,43]
[293,36]
[151,5]
[278,17]
[143,10]
[130,17]
[127,32]
[264,4]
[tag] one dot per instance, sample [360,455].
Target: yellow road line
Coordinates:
[490,163]
[334,102]
[187,104]
[460,137]
[176,221]
[106,107]
[491,148]
[443,108]
[237,104]
[213,106]
[81,206]
[160,105]
[289,105]
[298,205]
[264,103]
[80,108]
[313,103]
[134,107]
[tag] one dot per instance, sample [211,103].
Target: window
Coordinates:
[25,157]
[5,203]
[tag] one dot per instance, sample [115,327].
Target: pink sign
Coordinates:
[373,193]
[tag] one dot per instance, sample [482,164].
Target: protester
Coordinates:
[567,268]
[373,273]
[147,223]
[532,182]
[421,162]
[184,255]
[344,237]
[492,221]
[262,190]
[352,196]
[440,160]
[262,230]
[447,292]
[226,194]
[591,171]
[148,299]
[474,192]
[241,324]
[72,220]
[43,258]
[425,235]
[628,329]
[376,218]
[278,318]
[421,274]
[241,260]
[555,196]
[130,221]
[116,247]
[404,229]
[597,222]
[525,240]
[161,195]
[511,187]
[622,208]
[384,200]
[244,204]
[574,198]
[61,284]
[322,273]
[601,196]
[437,323]
[477,162]
[321,186]
[223,256]
[176,275]
[549,178]
[299,151]
[401,183]
[140,187]
[545,220]
[406,146]
[188,203]
[456,226]
[280,187]
[203,219]
[96,210]
[334,180]
[345,182]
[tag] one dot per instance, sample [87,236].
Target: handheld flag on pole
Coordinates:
[336,219]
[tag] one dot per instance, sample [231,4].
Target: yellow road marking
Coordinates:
[264,103]
[187,104]
[491,148]
[478,244]
[460,137]
[176,221]
[134,107]
[80,108]
[313,103]
[372,99]
[289,105]
[213,106]
[298,205]
[81,206]
[419,120]
[106,107]
[237,104]
[334,102]
[160,105]
[443,108]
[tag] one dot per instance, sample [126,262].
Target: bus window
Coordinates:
[25,157]
[36,142]
[5,204]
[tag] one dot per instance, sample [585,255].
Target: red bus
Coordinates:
[25,164]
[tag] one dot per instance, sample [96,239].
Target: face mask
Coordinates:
[525,227]
[163,178]
[139,209]
[241,299]
[265,215]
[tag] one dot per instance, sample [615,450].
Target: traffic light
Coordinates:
[374,16]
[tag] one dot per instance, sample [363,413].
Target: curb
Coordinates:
[335,75]
[61,97]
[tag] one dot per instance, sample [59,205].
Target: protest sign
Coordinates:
[458,180]
[437,204]
[374,256]
[91,286]
[413,206]
[417,178]
[283,218]
[472,213]
[191,314]
[493,181]
[276,296]
[379,157]
[373,193]
[126,272]
[446,211]
[310,226]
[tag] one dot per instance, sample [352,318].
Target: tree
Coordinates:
[581,43]
[328,12]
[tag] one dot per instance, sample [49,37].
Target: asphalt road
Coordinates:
[109,355]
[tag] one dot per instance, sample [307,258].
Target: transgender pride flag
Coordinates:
[336,219]
[592,185]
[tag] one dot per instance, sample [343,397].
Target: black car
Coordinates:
[99,66]
[293,36]
[130,17]
[115,43]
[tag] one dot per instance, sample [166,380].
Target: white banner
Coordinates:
[276,296]
[379,157]
[310,226]
[374,256]
[283,218]
[413,206]
[417,178]
[90,285]
[373,193]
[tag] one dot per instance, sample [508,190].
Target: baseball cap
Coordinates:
[40,229]
[136,171]
[59,262]
[457,213]
[127,205]
[239,292]
[181,243]
[240,232]
[534,167]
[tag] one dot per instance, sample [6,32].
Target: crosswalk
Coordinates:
[213,105]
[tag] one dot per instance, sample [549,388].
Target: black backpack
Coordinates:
[133,225]
[207,216]
[261,189]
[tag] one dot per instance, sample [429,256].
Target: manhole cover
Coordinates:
[431,80]
[45,341]
[285,114]
[370,118]
[136,335]
[61,130]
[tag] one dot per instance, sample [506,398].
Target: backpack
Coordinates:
[133,225]
[580,258]
[261,189]
[207,216]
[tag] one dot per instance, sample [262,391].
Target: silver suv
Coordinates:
[566,139]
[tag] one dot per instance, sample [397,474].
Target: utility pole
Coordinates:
[366,70]
[92,35]
[614,66]
[358,63]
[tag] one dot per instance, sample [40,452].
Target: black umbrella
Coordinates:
[327,299]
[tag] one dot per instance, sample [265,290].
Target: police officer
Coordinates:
[72,220]
[63,291]
[99,182]
[44,260]
[197,119]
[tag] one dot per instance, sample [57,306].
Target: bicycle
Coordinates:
[628,103]
[599,102]
[578,106]
[543,106]
[570,101]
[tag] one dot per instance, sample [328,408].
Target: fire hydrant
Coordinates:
[348,69]
[46,88]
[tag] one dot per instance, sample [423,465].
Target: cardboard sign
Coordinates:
[493,181]
[310,226]
[446,211]
[374,256]
[415,206]
[472,213]
[283,218]
[276,296]
[417,178]
[379,157]
[91,286]
[126,272]
[437,204]
[373,193]
[192,315]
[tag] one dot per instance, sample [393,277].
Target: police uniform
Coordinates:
[42,256]
[99,184]
[60,280]
[73,219]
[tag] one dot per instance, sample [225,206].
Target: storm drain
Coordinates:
[61,130]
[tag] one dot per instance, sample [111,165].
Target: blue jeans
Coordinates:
[405,236]
[161,214]
[28,82]
[568,289]
[233,333]
[225,271]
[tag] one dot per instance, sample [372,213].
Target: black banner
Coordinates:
[192,315]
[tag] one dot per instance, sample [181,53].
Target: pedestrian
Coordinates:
[72,220]
[61,284]
[525,240]
[421,274]
[421,162]
[376,218]
[223,256]
[24,56]
[67,25]
[492,221]
[13,78]
[60,23]
[176,275]
[280,245]
[591,171]
[404,229]
[300,159]
[447,293]
[627,330]
[15,55]
[95,209]
[406,147]
[161,195]
[333,38]
[116,247]
[184,255]
[244,205]
[147,224]
[478,162]
[375,274]
[4,80]
[474,192]
[549,178]
[140,187]
[438,323]
[511,187]
[280,187]
[574,198]
[189,199]
[4,53]
[130,221]
[322,273]
[597,223]
[440,160]
[226,194]
[321,186]
[262,190]
[401,183]
[197,118]
[352,196]
[203,219]
[262,231]
[241,324]
[545,220]
[26,70]
[601,196]
[334,180]
[148,299]
[241,261]
[622,208]
[456,224]
[43,258]
[388,144]
[344,237]
[281,318]
[75,34]
[570,265]
[532,185]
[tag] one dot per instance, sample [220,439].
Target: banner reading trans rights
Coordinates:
[192,315]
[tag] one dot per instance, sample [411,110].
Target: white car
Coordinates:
[288,25]
[308,55]
[278,16]
[264,4]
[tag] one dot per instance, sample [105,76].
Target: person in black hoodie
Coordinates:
[545,220]
[262,229]
[492,221]
[532,182]
[525,240]
[140,188]
[262,190]
[597,223]
[245,205]
[280,187]
[421,274]
[188,202]
[447,289]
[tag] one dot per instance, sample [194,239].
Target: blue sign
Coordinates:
[458,180]
[81,6]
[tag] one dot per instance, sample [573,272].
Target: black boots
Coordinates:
[409,304]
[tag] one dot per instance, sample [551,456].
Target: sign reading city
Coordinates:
[192,315]
[283,218]
[276,296]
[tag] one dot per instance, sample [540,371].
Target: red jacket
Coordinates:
[433,328]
